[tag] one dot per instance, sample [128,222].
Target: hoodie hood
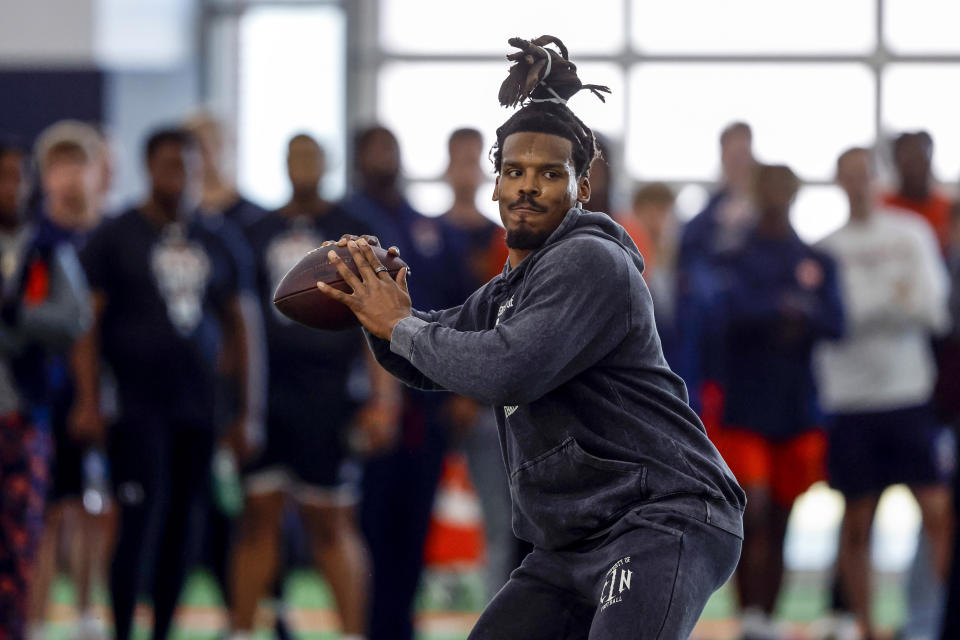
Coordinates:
[579,222]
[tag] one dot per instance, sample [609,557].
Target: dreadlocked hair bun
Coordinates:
[543,80]
[533,65]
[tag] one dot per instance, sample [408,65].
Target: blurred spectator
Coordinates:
[876,383]
[912,155]
[399,486]
[68,157]
[948,405]
[730,212]
[601,180]
[219,193]
[44,308]
[486,249]
[783,297]
[165,293]
[655,231]
[227,214]
[485,252]
[310,412]
[912,158]
[105,172]
[720,227]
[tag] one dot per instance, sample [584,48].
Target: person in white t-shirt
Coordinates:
[875,384]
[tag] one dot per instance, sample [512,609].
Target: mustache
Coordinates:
[528,203]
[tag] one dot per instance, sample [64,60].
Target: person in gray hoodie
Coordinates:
[634,516]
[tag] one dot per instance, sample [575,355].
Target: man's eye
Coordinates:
[551,174]
[514,173]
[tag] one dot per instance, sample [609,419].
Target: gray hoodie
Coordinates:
[593,422]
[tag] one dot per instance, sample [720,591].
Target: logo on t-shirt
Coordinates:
[284,252]
[426,236]
[181,268]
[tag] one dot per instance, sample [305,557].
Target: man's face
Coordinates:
[600,184]
[775,194]
[11,186]
[209,139]
[656,218]
[305,165]
[536,187]
[913,158]
[736,156]
[379,159]
[464,172]
[70,184]
[173,172]
[855,175]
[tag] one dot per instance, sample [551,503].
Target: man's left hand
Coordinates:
[378,301]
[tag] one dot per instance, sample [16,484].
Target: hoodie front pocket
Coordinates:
[566,494]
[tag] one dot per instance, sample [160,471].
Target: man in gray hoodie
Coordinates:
[633,514]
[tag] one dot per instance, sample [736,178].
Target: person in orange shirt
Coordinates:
[653,227]
[912,154]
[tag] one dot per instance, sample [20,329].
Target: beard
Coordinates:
[525,239]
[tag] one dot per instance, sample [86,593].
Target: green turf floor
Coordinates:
[804,600]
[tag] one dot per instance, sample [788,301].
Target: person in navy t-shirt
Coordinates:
[315,420]
[165,291]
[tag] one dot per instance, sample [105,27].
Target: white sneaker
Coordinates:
[37,631]
[756,625]
[91,627]
[836,626]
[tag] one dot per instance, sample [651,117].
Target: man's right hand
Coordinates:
[373,241]
[85,422]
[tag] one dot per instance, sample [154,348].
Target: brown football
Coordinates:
[298,297]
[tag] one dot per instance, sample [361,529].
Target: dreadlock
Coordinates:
[545,109]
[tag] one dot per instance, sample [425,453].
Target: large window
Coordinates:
[812,77]
[287,75]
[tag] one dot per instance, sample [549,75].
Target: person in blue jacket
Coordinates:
[634,517]
[782,297]
[701,282]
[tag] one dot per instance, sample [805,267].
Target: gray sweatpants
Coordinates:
[648,577]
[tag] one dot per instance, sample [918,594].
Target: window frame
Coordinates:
[367,55]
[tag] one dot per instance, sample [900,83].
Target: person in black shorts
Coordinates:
[165,292]
[317,381]
[877,382]
[634,516]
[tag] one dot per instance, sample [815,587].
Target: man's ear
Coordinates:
[583,190]
[496,189]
